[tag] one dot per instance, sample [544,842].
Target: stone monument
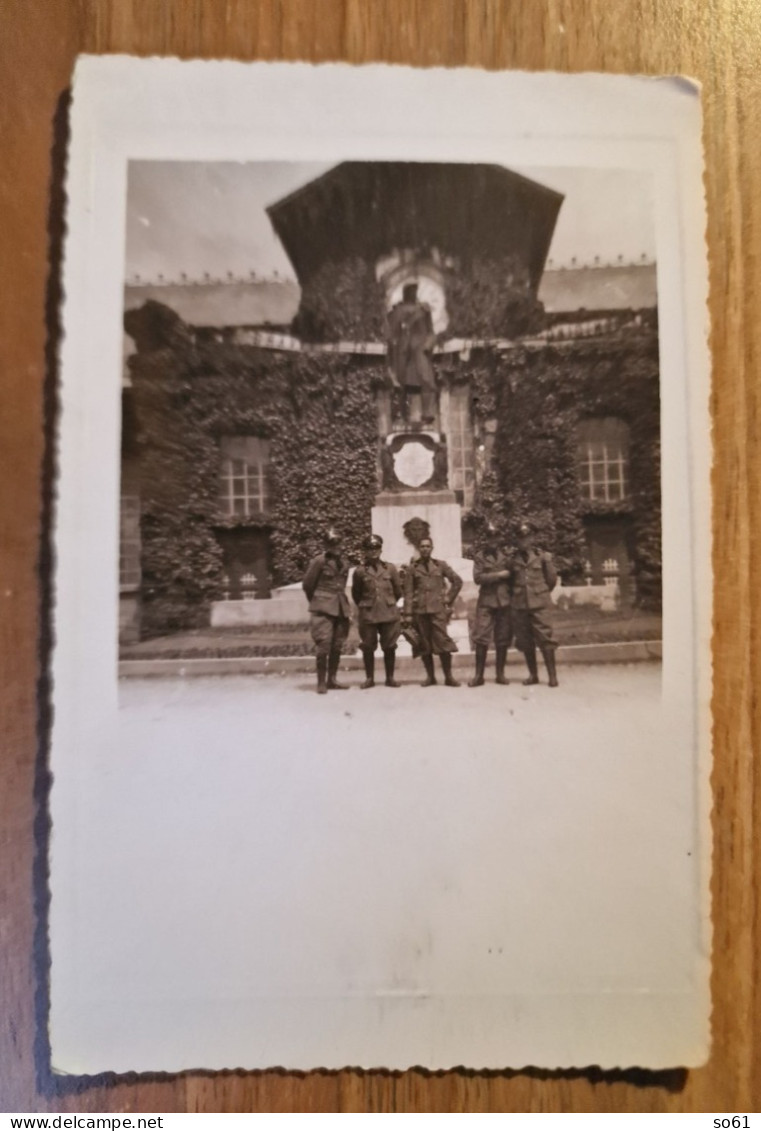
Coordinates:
[414,471]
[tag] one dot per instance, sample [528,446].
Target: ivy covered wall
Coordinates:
[318,413]
[534,399]
[485,298]
[342,301]
[491,298]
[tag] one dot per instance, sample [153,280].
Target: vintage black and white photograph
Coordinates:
[404,760]
[440,379]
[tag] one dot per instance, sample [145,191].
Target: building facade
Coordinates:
[242,442]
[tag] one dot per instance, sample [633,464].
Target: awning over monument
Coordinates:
[372,208]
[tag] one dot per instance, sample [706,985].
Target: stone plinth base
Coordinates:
[286,606]
[438,508]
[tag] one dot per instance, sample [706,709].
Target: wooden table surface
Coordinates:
[718,42]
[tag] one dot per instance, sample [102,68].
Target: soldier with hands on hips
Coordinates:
[492,573]
[430,589]
[376,589]
[325,586]
[534,578]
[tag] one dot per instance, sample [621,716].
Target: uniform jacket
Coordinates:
[534,578]
[429,589]
[325,586]
[493,593]
[410,337]
[375,590]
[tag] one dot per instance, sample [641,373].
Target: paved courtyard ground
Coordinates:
[410,805]
[583,687]
[244,839]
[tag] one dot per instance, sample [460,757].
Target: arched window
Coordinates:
[243,479]
[602,445]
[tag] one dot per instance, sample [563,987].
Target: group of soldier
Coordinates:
[514,587]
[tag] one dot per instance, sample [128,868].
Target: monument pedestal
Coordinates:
[443,514]
[439,509]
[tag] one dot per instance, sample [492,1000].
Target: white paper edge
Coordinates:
[120,106]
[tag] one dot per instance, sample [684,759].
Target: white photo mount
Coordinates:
[362,902]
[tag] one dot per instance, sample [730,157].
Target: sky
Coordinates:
[195,219]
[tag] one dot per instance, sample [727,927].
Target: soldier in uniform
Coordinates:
[492,573]
[376,588]
[325,586]
[430,589]
[410,340]
[534,578]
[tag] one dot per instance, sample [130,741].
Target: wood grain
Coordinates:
[718,42]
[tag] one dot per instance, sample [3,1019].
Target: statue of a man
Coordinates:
[410,341]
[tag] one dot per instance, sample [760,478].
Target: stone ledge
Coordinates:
[413,497]
[622,652]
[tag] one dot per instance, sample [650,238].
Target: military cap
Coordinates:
[372,542]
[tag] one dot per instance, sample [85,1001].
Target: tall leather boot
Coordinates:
[478,678]
[500,664]
[429,671]
[552,671]
[322,674]
[333,662]
[446,664]
[369,659]
[389,660]
[533,672]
